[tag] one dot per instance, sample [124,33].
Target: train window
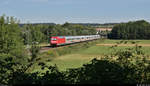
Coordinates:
[69,39]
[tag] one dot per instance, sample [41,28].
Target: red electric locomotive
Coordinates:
[62,40]
[57,40]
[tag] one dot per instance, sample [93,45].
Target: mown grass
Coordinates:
[77,59]
[76,56]
[105,50]
[67,61]
[108,41]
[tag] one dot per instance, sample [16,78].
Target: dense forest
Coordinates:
[131,30]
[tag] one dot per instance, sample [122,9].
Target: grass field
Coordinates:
[80,57]
[129,41]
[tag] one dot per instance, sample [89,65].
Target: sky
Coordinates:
[76,11]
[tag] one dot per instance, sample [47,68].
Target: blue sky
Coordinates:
[76,11]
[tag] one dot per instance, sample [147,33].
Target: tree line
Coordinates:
[131,30]
[42,32]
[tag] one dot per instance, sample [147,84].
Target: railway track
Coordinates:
[46,48]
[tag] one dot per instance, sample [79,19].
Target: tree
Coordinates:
[11,48]
[131,30]
[32,34]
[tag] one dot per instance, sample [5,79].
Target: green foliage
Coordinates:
[53,76]
[97,72]
[131,30]
[11,48]
[6,67]
[32,33]
[34,51]
[10,39]
[135,62]
[69,29]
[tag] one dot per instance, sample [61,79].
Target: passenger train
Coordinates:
[63,40]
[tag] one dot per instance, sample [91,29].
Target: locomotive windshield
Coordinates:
[54,39]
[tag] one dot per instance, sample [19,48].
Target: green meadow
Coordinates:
[79,57]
